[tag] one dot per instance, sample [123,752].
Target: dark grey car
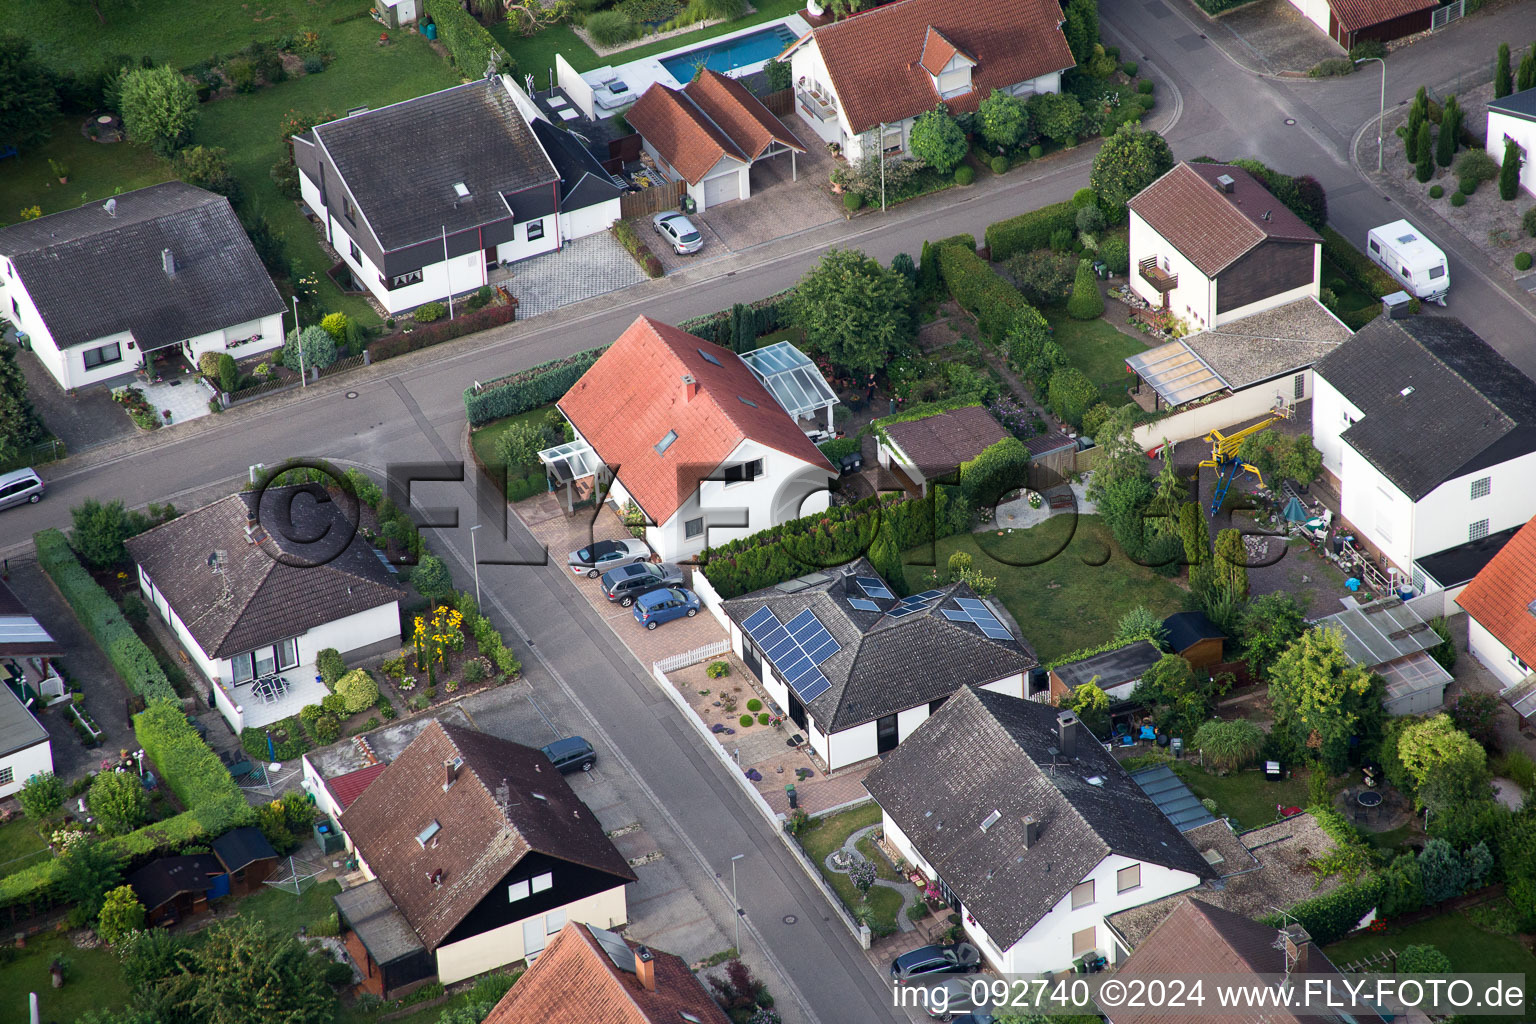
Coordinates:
[628,582]
[572,754]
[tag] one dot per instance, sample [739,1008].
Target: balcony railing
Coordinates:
[1156,276]
[818,106]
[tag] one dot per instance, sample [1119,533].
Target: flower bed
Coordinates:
[454,650]
[132,399]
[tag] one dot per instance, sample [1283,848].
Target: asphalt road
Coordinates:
[410,410]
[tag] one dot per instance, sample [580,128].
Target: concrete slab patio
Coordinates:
[783,200]
[1268,36]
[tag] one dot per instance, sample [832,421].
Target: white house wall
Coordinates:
[354,632]
[1200,420]
[1315,11]
[1195,297]
[589,220]
[1379,512]
[1443,516]
[500,946]
[806,63]
[1523,132]
[1329,408]
[1493,655]
[24,764]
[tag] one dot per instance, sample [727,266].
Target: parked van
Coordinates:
[1417,263]
[20,487]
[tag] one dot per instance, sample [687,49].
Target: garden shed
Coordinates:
[173,888]
[1115,672]
[247,858]
[1195,638]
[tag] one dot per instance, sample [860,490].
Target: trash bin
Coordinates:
[430,30]
[1101,269]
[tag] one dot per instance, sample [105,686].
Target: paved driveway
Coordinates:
[780,204]
[84,420]
[581,269]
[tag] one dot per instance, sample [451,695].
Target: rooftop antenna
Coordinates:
[491,63]
[528,82]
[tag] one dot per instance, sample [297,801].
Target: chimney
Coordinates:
[1297,943]
[690,387]
[645,968]
[1066,734]
[450,772]
[168,261]
[1031,831]
[1226,183]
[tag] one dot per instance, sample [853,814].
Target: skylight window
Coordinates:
[709,358]
[539,796]
[666,442]
[991,819]
[746,401]
[461,189]
[427,834]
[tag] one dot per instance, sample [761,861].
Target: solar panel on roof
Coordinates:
[773,636]
[901,610]
[955,615]
[617,949]
[997,632]
[828,648]
[811,685]
[872,586]
[795,664]
[756,619]
[797,623]
[970,604]
[979,615]
[927,595]
[782,650]
[863,605]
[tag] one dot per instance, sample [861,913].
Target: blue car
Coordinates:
[658,606]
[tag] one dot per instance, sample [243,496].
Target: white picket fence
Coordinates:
[694,656]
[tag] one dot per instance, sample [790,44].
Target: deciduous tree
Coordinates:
[90,871]
[1138,623]
[159,108]
[1449,766]
[854,310]
[937,140]
[248,975]
[1127,162]
[1270,625]
[118,802]
[1001,120]
[1321,697]
[121,914]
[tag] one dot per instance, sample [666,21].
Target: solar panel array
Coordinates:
[977,613]
[873,586]
[913,604]
[863,604]
[795,648]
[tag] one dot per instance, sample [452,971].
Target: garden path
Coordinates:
[850,848]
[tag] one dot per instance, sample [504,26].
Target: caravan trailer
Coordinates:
[1402,250]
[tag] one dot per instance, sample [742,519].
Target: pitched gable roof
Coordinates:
[1520,104]
[1355,15]
[945,440]
[1501,597]
[20,631]
[741,115]
[878,60]
[938,52]
[94,274]
[633,396]
[267,591]
[984,752]
[583,182]
[575,981]
[1437,401]
[508,801]
[1210,227]
[710,118]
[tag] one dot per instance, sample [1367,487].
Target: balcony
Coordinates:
[817,105]
[1156,276]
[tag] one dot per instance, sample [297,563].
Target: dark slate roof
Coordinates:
[583,182]
[18,729]
[1468,407]
[1185,629]
[1460,564]
[374,918]
[271,590]
[401,162]
[243,846]
[93,274]
[20,632]
[161,881]
[885,665]
[1111,668]
[1520,104]
[984,752]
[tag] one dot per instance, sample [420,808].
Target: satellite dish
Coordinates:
[111,207]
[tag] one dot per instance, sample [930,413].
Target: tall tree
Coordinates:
[1127,162]
[90,870]
[1450,767]
[1002,120]
[1526,77]
[248,975]
[1120,455]
[1424,165]
[1231,563]
[1450,127]
[1081,27]
[1322,698]
[1270,625]
[28,102]
[19,426]
[1416,117]
[852,309]
[937,140]
[118,801]
[1503,81]
[1509,171]
[159,108]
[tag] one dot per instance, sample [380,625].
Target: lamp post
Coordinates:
[475,558]
[735,902]
[880,146]
[1383,115]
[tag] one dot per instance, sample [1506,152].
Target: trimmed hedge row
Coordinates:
[102,618]
[1357,265]
[1000,468]
[443,330]
[190,768]
[1331,916]
[468,42]
[1029,231]
[774,307]
[526,389]
[978,289]
[195,827]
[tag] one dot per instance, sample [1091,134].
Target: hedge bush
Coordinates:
[835,449]
[1436,191]
[191,770]
[1071,394]
[999,165]
[1356,265]
[852,202]
[357,690]
[1029,231]
[468,42]
[979,289]
[102,618]
[1458,198]
[1522,261]
[965,174]
[330,665]
[1330,917]
[999,468]
[771,314]
[429,312]
[435,334]
[526,389]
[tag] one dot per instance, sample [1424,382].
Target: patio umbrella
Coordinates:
[1295,512]
[271,748]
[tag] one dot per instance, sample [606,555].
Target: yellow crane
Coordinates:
[1224,460]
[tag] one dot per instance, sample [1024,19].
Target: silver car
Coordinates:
[20,487]
[597,558]
[679,232]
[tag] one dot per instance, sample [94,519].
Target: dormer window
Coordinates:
[954,80]
[947,64]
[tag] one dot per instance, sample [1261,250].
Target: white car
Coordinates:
[679,232]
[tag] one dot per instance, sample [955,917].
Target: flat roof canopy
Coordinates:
[571,461]
[1176,373]
[792,379]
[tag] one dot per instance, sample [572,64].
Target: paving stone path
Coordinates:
[905,890]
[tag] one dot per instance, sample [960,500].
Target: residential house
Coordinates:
[1390,639]
[860,83]
[1350,22]
[589,975]
[30,680]
[255,585]
[477,853]
[1194,638]
[1500,603]
[858,669]
[173,889]
[934,447]
[165,269]
[589,195]
[710,133]
[24,747]
[246,857]
[1116,672]
[705,442]
[1030,829]
[1513,117]
[1212,245]
[1428,436]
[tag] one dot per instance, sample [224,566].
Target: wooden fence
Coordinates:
[781,103]
[350,363]
[657,199]
[51,450]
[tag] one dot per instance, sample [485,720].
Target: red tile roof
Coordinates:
[712,117]
[1355,15]
[347,788]
[1499,598]
[876,59]
[937,52]
[575,982]
[1212,228]
[634,395]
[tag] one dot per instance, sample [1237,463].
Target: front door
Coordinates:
[490,256]
[750,656]
[796,710]
[885,734]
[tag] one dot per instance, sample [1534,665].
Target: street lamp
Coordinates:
[736,903]
[1383,115]
[475,558]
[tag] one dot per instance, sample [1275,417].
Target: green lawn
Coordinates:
[1056,581]
[827,834]
[285,913]
[20,846]
[1245,796]
[96,171]
[1097,349]
[483,439]
[91,982]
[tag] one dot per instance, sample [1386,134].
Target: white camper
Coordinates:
[1402,250]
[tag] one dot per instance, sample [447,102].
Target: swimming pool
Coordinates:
[727,56]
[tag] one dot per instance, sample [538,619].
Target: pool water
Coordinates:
[727,56]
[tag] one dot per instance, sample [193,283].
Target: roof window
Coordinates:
[666,442]
[429,833]
[991,819]
[709,358]
[461,190]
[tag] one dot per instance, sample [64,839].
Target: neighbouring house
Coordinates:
[705,442]
[252,596]
[859,669]
[1514,117]
[1116,672]
[589,195]
[31,680]
[588,974]
[1428,436]
[165,269]
[175,888]
[710,133]
[861,82]
[1500,603]
[1029,828]
[477,852]
[1390,639]
[1349,22]
[247,858]
[933,448]
[24,747]
[1211,245]
[1194,638]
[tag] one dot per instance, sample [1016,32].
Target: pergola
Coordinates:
[793,380]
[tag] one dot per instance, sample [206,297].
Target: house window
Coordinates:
[1481,487]
[6,775]
[693,528]
[543,882]
[744,472]
[535,230]
[1082,894]
[1513,657]
[1299,386]
[533,936]
[346,208]
[357,254]
[517,891]
[554,921]
[1084,941]
[288,654]
[240,667]
[1478,530]
[1127,879]
[266,660]
[891,143]
[953,83]
[16,309]
[410,277]
[106,355]
[666,442]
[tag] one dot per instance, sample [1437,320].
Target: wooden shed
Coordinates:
[1196,638]
[247,858]
[173,888]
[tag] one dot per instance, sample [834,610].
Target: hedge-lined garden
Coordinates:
[526,389]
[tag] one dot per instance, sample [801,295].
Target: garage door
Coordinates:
[722,188]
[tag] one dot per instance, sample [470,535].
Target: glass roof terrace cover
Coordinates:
[1176,373]
[792,379]
[570,461]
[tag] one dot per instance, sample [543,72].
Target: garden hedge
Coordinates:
[469,43]
[187,764]
[1357,265]
[526,389]
[999,468]
[444,330]
[773,312]
[102,618]
[1029,231]
[978,289]
[1330,917]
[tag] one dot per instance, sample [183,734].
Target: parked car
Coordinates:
[571,754]
[960,958]
[658,606]
[20,487]
[597,558]
[679,232]
[628,582]
[957,999]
